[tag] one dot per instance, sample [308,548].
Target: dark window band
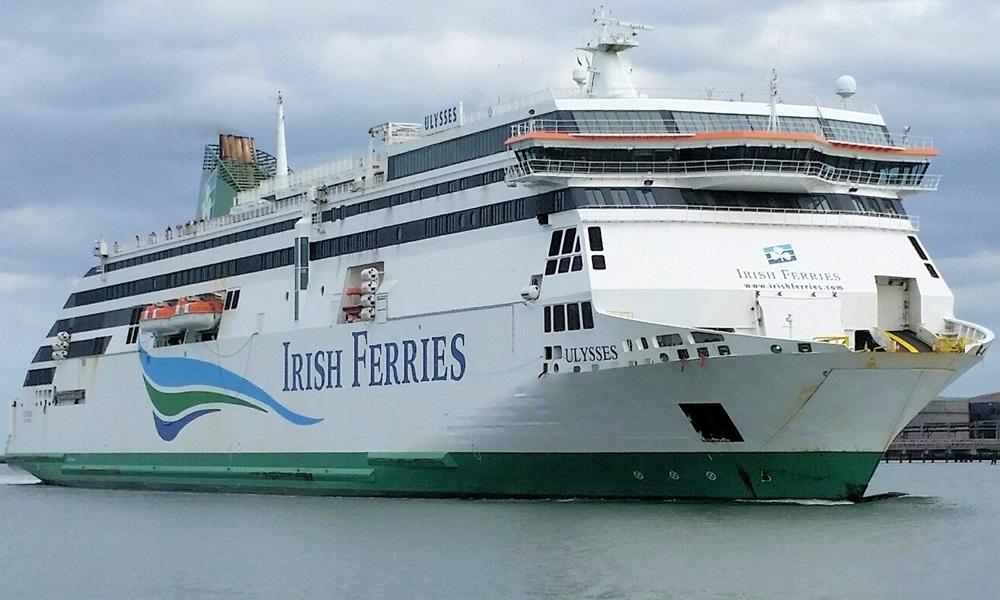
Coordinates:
[101,320]
[466,220]
[92,347]
[338,212]
[39,376]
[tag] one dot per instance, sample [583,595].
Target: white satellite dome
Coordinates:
[846,86]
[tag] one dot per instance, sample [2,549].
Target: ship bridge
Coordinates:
[711,144]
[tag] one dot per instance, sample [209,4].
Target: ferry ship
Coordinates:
[598,292]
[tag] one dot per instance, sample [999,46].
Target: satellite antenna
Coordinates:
[846,87]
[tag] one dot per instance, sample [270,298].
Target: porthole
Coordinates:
[776,348]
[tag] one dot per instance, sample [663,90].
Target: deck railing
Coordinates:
[737,166]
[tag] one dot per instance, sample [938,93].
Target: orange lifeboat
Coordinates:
[156,318]
[192,313]
[198,313]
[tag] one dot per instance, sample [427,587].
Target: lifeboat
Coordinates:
[192,313]
[198,313]
[156,318]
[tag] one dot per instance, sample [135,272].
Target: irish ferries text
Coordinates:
[436,358]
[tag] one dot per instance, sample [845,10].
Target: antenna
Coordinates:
[772,122]
[846,87]
[281,176]
[608,74]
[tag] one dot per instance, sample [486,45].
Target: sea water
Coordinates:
[940,540]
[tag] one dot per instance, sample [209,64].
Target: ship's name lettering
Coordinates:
[436,358]
[788,275]
[441,118]
[590,354]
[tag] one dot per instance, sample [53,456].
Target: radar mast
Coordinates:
[609,75]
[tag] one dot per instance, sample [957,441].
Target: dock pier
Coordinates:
[948,442]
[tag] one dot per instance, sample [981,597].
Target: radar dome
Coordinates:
[846,87]
[580,75]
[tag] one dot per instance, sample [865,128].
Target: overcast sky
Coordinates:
[105,106]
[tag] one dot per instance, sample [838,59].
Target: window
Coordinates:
[916,246]
[932,270]
[39,377]
[588,315]
[669,339]
[594,197]
[568,317]
[558,318]
[701,337]
[573,317]
[556,242]
[596,240]
[577,263]
[568,239]
[620,198]
[597,261]
[232,300]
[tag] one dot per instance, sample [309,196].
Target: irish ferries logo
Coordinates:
[782,253]
[184,389]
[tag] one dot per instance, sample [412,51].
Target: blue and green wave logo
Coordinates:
[184,389]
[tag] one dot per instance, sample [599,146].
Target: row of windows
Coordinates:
[39,376]
[229,268]
[737,152]
[430,191]
[204,244]
[455,222]
[666,121]
[597,197]
[451,152]
[77,349]
[466,220]
[923,256]
[568,317]
[339,212]
[102,320]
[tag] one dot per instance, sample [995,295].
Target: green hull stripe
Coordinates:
[169,404]
[749,475]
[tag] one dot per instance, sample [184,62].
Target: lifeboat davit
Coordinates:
[193,313]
